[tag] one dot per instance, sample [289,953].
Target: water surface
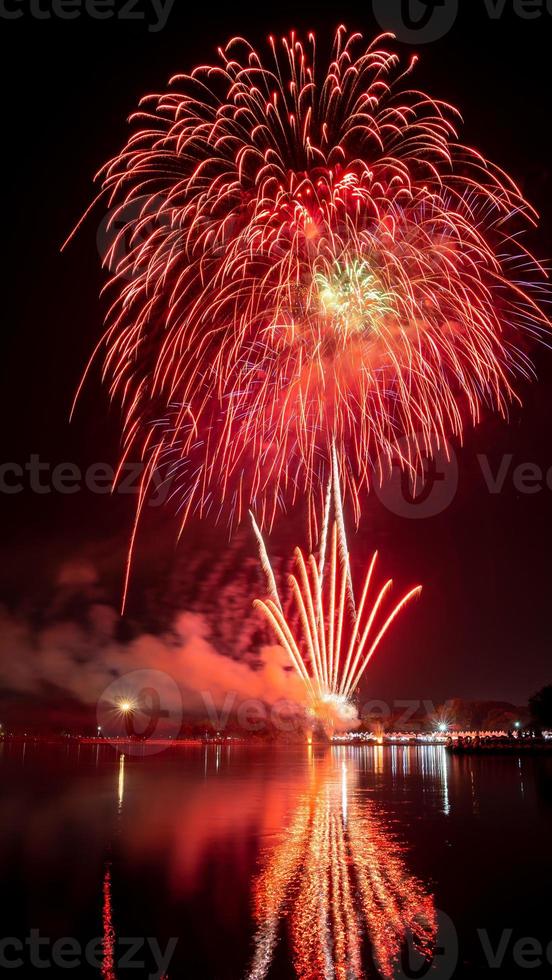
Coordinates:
[258,862]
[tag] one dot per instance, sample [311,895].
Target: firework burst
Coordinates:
[329,639]
[303,256]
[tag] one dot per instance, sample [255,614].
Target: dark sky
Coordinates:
[483,627]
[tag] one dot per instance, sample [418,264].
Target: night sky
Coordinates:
[483,627]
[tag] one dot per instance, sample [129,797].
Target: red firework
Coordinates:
[305,258]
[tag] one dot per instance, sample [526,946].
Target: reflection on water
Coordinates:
[121,782]
[306,862]
[108,939]
[336,874]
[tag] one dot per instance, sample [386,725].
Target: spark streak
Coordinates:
[334,642]
[306,263]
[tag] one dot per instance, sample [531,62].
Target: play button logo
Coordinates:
[416,21]
[426,487]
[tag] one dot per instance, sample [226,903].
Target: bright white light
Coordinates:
[125,705]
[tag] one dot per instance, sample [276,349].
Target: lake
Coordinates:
[245,861]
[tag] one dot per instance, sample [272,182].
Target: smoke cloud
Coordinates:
[76,647]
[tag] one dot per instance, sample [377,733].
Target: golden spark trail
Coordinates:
[332,644]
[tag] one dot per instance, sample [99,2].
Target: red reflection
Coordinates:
[108,941]
[218,813]
[336,876]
